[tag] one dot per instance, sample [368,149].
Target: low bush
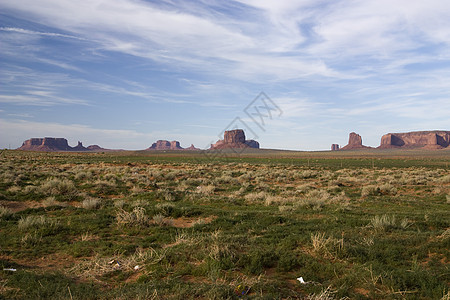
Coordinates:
[137,217]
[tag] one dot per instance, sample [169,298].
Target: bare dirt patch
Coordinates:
[17,206]
[189,222]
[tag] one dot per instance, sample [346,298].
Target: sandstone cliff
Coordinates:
[354,142]
[234,139]
[166,145]
[418,139]
[50,144]
[334,147]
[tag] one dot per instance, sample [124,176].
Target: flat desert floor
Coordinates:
[261,224]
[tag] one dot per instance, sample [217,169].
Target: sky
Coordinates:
[125,73]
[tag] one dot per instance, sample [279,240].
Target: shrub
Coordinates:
[275,200]
[315,199]
[383,223]
[91,203]
[31,239]
[30,189]
[160,220]
[105,186]
[445,179]
[55,186]
[135,218]
[83,175]
[387,189]
[166,208]
[326,294]
[51,201]
[5,212]
[14,189]
[326,246]
[255,197]
[119,203]
[369,190]
[136,190]
[286,208]
[206,189]
[34,222]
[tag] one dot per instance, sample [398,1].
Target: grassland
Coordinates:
[176,225]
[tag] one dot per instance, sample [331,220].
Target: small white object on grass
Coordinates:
[9,269]
[300,279]
[137,267]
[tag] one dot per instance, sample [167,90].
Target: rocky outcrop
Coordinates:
[50,144]
[354,142]
[417,139]
[252,144]
[334,147]
[96,148]
[166,145]
[234,139]
[192,148]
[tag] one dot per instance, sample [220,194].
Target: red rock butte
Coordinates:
[166,145]
[50,144]
[417,139]
[354,142]
[334,147]
[234,139]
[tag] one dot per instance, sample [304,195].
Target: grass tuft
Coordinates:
[137,217]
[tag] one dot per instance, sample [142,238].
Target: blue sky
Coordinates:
[125,73]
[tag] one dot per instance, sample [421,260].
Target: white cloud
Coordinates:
[278,40]
[31,32]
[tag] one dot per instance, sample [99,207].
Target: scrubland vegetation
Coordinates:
[112,226]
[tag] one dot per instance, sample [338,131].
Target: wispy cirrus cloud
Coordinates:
[281,40]
[32,32]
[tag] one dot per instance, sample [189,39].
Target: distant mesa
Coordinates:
[96,148]
[334,147]
[417,139]
[234,139]
[51,144]
[354,142]
[166,145]
[192,148]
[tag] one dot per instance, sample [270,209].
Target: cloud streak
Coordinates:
[31,32]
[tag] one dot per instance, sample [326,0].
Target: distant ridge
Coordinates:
[431,140]
[436,139]
[166,145]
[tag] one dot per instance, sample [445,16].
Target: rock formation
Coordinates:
[166,145]
[96,148]
[417,139]
[234,139]
[334,147]
[191,147]
[354,142]
[50,144]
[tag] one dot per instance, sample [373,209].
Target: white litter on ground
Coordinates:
[300,279]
